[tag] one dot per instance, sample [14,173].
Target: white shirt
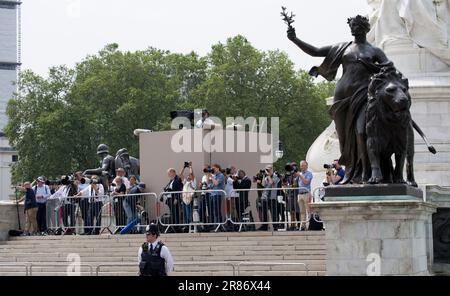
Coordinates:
[82,186]
[165,254]
[42,193]
[200,123]
[126,182]
[229,188]
[90,192]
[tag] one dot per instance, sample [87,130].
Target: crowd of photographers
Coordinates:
[282,199]
[222,193]
[50,204]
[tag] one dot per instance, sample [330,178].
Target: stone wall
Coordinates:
[9,218]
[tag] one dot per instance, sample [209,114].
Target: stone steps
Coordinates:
[197,254]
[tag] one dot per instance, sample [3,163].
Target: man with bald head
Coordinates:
[304,192]
[173,200]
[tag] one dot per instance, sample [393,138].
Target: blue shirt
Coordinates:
[341,173]
[303,187]
[221,186]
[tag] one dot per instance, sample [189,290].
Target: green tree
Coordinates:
[56,123]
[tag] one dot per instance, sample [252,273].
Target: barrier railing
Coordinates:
[14,265]
[288,208]
[79,215]
[133,212]
[130,213]
[235,265]
[253,263]
[199,208]
[181,263]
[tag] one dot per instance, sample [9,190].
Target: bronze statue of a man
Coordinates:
[107,170]
[129,163]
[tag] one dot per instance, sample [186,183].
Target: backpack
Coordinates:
[314,223]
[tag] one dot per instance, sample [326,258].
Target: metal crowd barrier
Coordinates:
[285,211]
[137,210]
[44,265]
[27,267]
[199,208]
[253,263]
[181,263]
[79,215]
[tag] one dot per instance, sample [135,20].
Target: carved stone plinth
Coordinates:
[367,234]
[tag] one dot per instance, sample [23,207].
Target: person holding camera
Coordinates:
[304,193]
[290,183]
[173,199]
[230,177]
[119,202]
[334,176]
[218,184]
[81,183]
[154,257]
[269,198]
[241,184]
[30,208]
[94,192]
[65,195]
[258,180]
[205,200]
[42,193]
[189,186]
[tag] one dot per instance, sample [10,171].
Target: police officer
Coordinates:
[154,257]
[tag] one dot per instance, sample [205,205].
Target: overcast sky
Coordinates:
[65,31]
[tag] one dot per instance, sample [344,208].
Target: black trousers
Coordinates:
[41,217]
[84,208]
[95,212]
[119,212]
[174,210]
[276,210]
[68,213]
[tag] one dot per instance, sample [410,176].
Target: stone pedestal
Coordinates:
[376,230]
[440,196]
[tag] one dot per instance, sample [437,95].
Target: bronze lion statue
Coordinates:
[390,128]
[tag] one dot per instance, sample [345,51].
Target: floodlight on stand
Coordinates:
[279,152]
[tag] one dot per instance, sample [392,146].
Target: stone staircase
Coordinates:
[206,254]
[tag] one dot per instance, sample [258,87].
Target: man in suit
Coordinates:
[174,200]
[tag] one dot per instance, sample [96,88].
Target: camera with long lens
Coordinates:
[186,164]
[259,176]
[329,166]
[290,169]
[208,170]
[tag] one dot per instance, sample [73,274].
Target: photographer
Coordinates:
[30,208]
[42,192]
[173,200]
[334,176]
[80,181]
[291,179]
[205,201]
[258,180]
[118,202]
[241,184]
[218,180]
[269,198]
[65,195]
[94,192]
[189,186]
[230,177]
[304,194]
